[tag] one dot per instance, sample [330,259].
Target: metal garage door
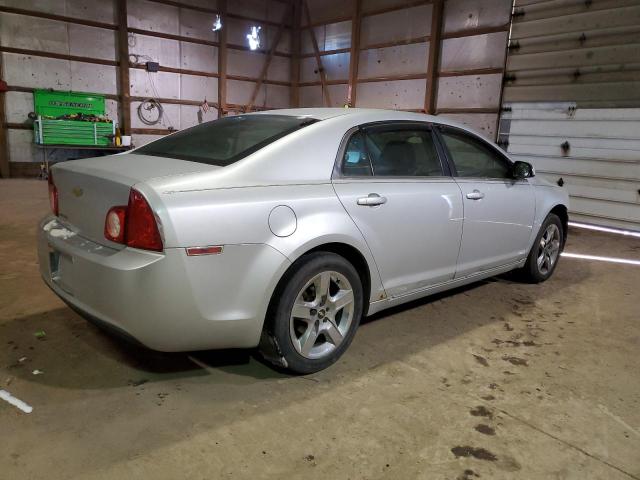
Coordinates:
[596,153]
[572,93]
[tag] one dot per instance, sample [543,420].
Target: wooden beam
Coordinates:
[219,11]
[354,54]
[328,82]
[470,32]
[324,53]
[152,131]
[322,23]
[397,43]
[267,62]
[391,78]
[59,18]
[174,101]
[59,56]
[316,50]
[370,13]
[296,43]
[200,73]
[4,144]
[393,8]
[17,88]
[471,71]
[431,92]
[123,71]
[468,110]
[222,59]
[200,41]
[170,36]
[18,126]
[373,46]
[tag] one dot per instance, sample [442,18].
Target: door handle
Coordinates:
[475,195]
[372,200]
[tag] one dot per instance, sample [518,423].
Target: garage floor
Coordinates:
[497,380]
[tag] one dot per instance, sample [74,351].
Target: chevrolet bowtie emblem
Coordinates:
[77,191]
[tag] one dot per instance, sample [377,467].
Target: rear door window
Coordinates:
[227,140]
[391,151]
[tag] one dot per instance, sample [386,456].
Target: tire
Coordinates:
[536,270]
[322,326]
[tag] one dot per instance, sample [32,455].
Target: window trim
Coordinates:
[385,125]
[447,153]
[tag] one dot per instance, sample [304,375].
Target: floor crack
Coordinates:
[570,445]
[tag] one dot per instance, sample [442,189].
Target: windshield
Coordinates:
[227,140]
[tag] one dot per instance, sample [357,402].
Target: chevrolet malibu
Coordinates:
[283,229]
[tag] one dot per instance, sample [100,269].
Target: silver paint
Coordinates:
[427,236]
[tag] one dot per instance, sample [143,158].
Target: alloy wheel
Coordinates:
[321,315]
[548,249]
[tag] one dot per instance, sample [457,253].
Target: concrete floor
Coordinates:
[498,380]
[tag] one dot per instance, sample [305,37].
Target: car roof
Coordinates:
[326,113]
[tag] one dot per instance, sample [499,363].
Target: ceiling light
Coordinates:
[254,38]
[217,24]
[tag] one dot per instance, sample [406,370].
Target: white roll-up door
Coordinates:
[595,153]
[571,102]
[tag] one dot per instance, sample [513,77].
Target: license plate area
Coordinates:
[61,269]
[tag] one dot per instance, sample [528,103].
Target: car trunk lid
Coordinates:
[88,188]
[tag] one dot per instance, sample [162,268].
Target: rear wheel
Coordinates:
[544,255]
[316,312]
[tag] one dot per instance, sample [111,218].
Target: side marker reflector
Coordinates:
[211,250]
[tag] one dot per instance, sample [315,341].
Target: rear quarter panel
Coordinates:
[233,216]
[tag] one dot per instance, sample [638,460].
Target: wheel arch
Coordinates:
[563,213]
[348,251]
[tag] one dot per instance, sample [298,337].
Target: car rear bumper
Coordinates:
[166,301]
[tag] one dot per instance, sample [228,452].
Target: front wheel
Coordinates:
[544,255]
[316,312]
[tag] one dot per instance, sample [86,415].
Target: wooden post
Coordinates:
[431,92]
[123,68]
[294,98]
[4,145]
[267,62]
[354,55]
[222,59]
[316,51]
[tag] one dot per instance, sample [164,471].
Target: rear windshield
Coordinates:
[227,140]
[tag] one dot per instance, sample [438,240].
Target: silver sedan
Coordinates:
[283,229]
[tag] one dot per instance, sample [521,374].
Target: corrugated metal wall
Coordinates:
[576,66]
[177,34]
[393,51]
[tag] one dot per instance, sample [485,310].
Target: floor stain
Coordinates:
[515,360]
[485,429]
[468,474]
[475,452]
[481,360]
[481,411]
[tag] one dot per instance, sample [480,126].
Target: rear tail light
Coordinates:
[142,228]
[53,194]
[134,225]
[114,225]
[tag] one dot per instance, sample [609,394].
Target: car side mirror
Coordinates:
[522,170]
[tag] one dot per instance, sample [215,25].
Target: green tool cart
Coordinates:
[71,118]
